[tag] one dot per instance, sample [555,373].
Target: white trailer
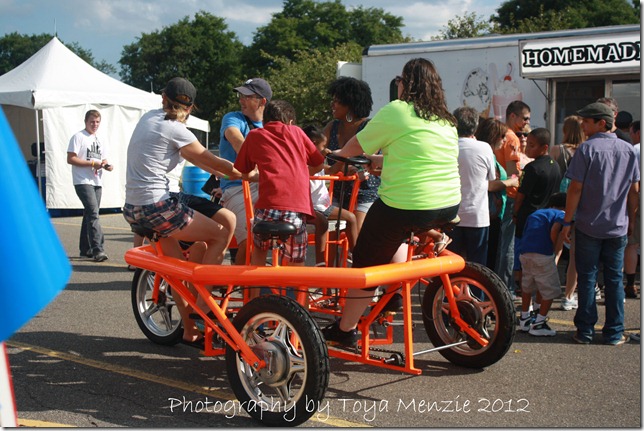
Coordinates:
[555,73]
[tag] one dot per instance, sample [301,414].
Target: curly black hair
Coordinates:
[353,93]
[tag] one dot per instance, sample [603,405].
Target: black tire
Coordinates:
[160,322]
[298,374]
[493,318]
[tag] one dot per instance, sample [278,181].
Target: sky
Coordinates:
[105,26]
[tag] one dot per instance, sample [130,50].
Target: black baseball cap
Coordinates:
[180,90]
[255,86]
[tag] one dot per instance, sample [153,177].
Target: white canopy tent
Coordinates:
[52,90]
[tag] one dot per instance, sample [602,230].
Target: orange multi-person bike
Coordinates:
[276,357]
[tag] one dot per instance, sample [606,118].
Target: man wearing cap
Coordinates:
[602,200]
[254,94]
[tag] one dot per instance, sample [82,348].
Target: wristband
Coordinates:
[565,223]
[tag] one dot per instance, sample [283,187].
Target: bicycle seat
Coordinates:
[356,160]
[143,231]
[274,230]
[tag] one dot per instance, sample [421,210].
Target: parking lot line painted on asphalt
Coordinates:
[41,424]
[335,422]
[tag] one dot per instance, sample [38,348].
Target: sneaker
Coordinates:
[598,293]
[569,304]
[623,339]
[631,291]
[100,256]
[580,340]
[334,335]
[542,329]
[525,324]
[87,254]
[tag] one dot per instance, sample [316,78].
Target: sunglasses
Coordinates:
[243,96]
[522,134]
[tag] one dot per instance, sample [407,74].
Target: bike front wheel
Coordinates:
[287,391]
[484,303]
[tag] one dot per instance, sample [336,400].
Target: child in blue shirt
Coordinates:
[536,253]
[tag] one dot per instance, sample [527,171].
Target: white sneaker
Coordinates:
[598,293]
[569,304]
[525,324]
[542,329]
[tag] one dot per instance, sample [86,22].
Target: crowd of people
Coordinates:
[517,196]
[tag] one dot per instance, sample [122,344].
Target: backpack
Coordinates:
[565,181]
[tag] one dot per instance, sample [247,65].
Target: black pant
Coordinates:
[386,228]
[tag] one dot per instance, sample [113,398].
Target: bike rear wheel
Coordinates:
[493,317]
[288,391]
[159,321]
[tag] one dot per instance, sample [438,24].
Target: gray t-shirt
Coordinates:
[152,153]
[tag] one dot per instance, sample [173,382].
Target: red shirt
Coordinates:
[282,154]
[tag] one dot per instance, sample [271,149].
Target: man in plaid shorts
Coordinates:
[282,153]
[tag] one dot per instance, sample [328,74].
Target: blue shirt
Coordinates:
[536,231]
[607,167]
[226,150]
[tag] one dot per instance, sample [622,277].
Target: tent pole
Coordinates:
[38,171]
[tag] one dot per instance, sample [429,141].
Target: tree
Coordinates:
[15,48]
[466,26]
[306,24]
[202,51]
[572,13]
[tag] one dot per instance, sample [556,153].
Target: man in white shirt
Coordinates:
[88,157]
[476,168]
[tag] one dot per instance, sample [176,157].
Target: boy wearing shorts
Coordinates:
[283,154]
[536,253]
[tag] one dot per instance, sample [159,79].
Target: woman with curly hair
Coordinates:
[351,105]
[420,186]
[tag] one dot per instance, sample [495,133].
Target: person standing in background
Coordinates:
[631,255]
[476,168]
[508,155]
[602,197]
[88,157]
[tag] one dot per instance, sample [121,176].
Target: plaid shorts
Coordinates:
[163,217]
[295,248]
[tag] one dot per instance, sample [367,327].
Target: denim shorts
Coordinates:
[295,248]
[164,217]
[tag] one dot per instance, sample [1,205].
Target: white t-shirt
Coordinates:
[87,147]
[154,151]
[476,167]
[320,193]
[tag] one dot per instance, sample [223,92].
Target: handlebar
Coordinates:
[356,160]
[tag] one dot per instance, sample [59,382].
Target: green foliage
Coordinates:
[518,15]
[466,26]
[306,24]
[16,48]
[201,50]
